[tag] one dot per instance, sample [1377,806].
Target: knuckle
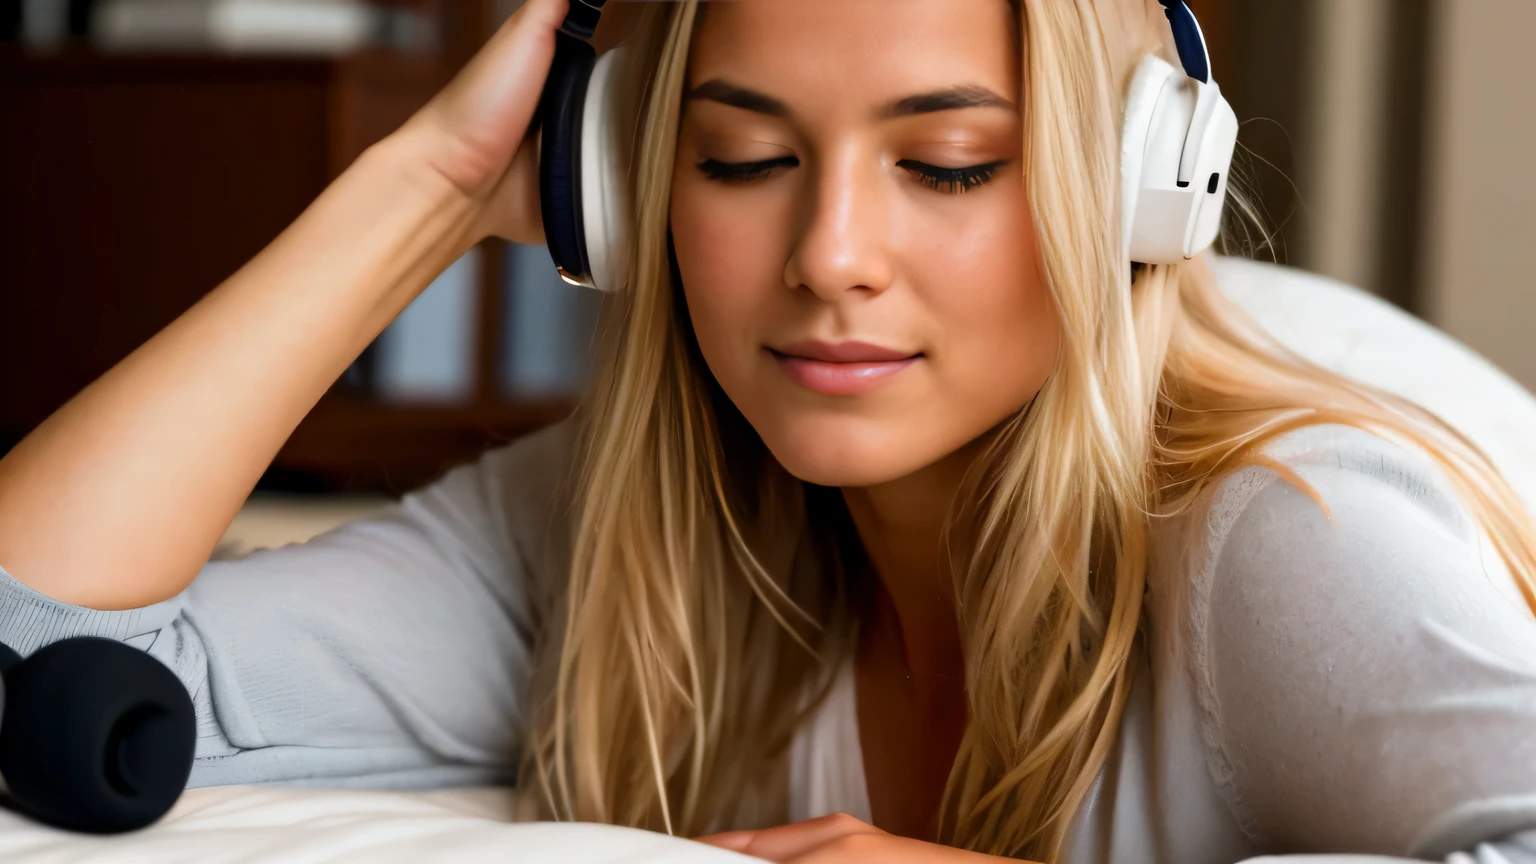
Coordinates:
[853,846]
[843,819]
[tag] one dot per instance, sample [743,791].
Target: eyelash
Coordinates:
[951,181]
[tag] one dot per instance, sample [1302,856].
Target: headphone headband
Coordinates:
[581,19]
[1190,40]
[583,15]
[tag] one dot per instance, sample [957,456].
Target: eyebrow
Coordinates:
[948,99]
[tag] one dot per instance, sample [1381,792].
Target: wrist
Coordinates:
[387,227]
[405,163]
[367,246]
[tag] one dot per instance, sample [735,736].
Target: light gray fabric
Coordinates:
[1347,686]
[1362,681]
[394,652]
[1358,682]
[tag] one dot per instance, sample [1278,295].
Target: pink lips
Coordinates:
[840,368]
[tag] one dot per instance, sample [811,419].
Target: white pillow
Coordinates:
[1370,340]
[258,824]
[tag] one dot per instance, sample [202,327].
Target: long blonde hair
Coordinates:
[708,594]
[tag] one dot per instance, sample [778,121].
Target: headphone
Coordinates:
[1177,140]
[95,735]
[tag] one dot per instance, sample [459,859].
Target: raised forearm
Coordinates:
[118,498]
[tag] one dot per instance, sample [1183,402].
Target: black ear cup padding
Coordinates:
[98,736]
[8,658]
[560,116]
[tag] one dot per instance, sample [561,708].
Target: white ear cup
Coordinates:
[1146,85]
[1161,221]
[604,184]
[1175,129]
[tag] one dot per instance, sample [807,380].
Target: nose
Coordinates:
[846,240]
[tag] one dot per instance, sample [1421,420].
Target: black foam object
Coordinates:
[96,736]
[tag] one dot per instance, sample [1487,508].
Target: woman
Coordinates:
[1072,564]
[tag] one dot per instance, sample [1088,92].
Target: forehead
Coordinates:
[856,50]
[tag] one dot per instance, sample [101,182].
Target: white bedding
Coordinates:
[259,824]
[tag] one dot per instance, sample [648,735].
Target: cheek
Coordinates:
[993,323]
[998,328]
[722,258]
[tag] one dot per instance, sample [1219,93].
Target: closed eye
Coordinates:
[952,180]
[743,172]
[947,180]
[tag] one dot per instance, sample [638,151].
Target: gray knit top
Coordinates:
[1364,683]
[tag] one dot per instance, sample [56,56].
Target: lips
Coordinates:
[841,368]
[843,352]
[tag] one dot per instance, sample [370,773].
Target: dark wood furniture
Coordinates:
[131,184]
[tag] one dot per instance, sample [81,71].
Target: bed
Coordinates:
[313,826]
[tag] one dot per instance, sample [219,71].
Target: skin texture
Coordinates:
[844,241]
[839,839]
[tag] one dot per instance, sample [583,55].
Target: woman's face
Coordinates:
[850,172]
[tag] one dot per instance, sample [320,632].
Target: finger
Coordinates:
[490,104]
[539,14]
[789,841]
[512,210]
[735,841]
[886,849]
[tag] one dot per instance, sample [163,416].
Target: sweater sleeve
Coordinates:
[390,652]
[1368,677]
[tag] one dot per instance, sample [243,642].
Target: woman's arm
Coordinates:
[116,500]
[1369,680]
[391,652]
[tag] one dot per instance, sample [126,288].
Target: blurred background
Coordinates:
[148,148]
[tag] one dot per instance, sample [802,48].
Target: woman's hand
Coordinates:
[839,839]
[474,135]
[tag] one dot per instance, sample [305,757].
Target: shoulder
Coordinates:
[1317,631]
[530,471]
[1356,490]
[1352,523]
[514,480]
[1336,499]
[512,499]
[1349,555]
[1358,547]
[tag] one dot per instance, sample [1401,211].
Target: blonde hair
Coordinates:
[707,592]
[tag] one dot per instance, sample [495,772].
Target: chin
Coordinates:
[842,451]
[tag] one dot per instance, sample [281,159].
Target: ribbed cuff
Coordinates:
[29,620]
